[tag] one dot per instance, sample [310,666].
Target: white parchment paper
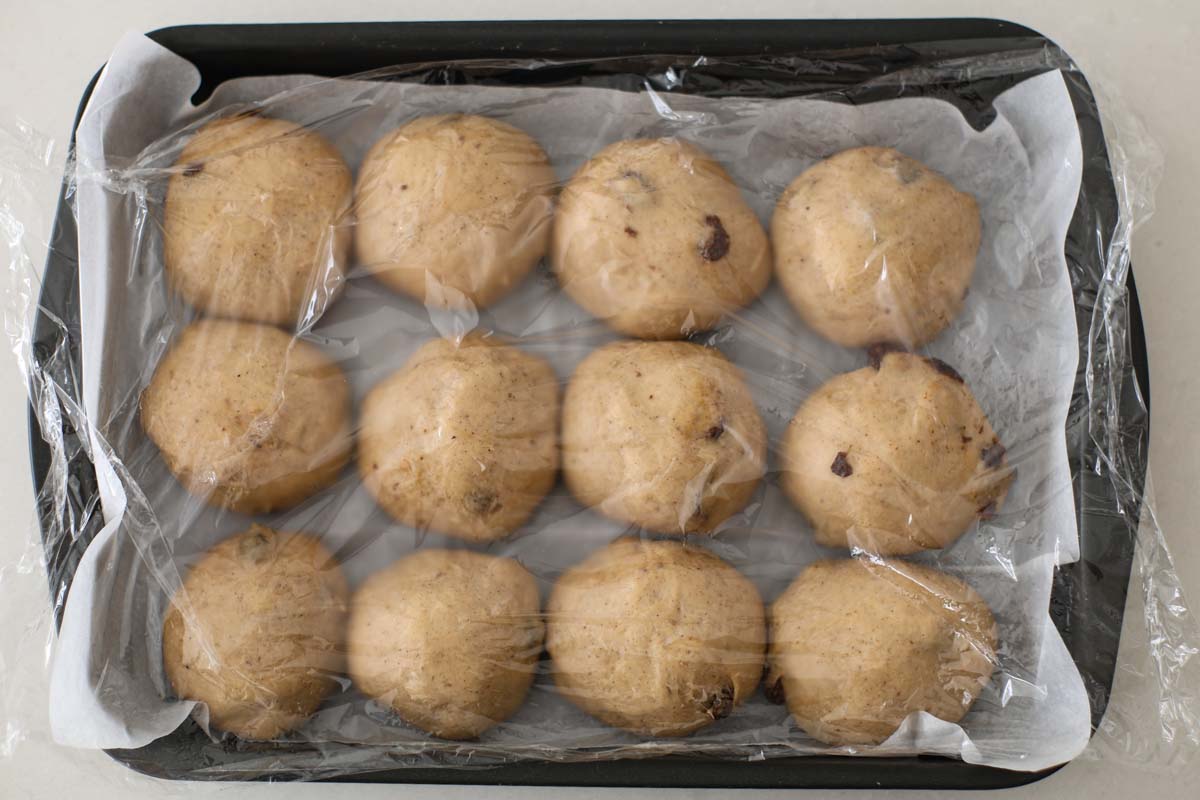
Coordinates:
[1015,343]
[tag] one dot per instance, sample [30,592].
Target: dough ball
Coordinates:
[463,440]
[893,458]
[663,435]
[255,225]
[872,246]
[256,631]
[454,210]
[448,638]
[859,644]
[248,418]
[656,637]
[653,237]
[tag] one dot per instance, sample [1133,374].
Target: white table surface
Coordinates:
[1145,50]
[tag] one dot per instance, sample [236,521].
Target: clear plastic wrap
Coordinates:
[646,608]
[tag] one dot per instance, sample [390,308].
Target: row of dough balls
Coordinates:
[655,637]
[650,235]
[466,438]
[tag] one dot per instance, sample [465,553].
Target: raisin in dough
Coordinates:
[454,210]
[449,639]
[463,440]
[256,221]
[255,632]
[859,644]
[653,237]
[248,418]
[664,435]
[893,458]
[872,246]
[656,637]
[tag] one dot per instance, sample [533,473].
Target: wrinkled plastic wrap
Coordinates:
[348,650]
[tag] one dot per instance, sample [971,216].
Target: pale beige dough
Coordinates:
[454,210]
[664,435]
[653,237]
[858,644]
[248,418]
[463,440]
[656,637]
[256,224]
[872,246]
[449,639]
[893,459]
[255,632]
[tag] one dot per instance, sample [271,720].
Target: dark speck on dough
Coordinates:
[630,232]
[877,351]
[717,245]
[482,502]
[966,439]
[716,431]
[840,466]
[993,454]
[944,368]
[192,170]
[404,187]
[720,704]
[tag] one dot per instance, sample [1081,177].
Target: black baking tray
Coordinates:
[1088,596]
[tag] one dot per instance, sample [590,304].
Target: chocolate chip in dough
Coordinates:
[720,704]
[993,454]
[717,245]
[876,352]
[944,368]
